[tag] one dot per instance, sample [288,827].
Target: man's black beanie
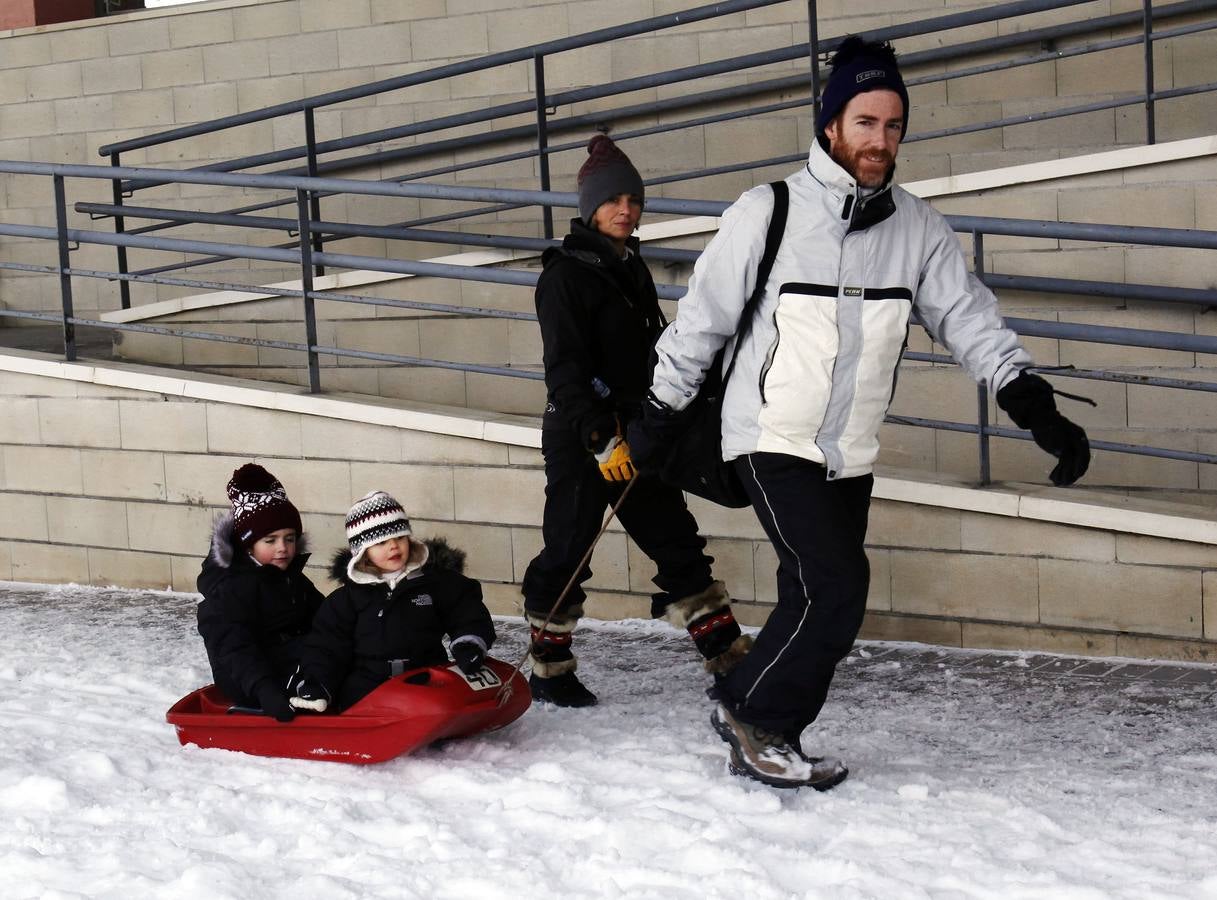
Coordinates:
[860,66]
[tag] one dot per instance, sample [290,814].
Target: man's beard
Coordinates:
[851,161]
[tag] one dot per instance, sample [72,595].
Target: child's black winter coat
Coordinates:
[362,628]
[253,618]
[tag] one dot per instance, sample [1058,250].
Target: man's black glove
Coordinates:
[1028,401]
[652,435]
[469,655]
[273,701]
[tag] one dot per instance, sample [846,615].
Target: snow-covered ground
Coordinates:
[973,776]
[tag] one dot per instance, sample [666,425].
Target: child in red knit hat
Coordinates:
[257,602]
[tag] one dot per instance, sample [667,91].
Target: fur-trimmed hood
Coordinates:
[433,552]
[224,548]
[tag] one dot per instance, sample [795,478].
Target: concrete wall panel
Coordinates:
[33,467]
[152,425]
[1210,605]
[169,528]
[884,627]
[50,564]
[23,517]
[964,585]
[1016,637]
[241,430]
[86,522]
[127,569]
[79,423]
[1146,599]
[424,491]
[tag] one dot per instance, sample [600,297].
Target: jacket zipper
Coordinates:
[773,351]
[847,214]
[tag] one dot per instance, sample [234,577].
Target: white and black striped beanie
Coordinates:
[374,518]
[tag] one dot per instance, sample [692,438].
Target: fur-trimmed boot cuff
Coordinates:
[561,622]
[731,657]
[550,650]
[683,611]
[708,618]
[553,667]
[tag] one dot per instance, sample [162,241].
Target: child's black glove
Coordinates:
[274,701]
[469,655]
[1028,401]
[310,695]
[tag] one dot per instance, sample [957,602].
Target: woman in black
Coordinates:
[599,315]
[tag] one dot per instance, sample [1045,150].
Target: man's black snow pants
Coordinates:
[576,500]
[818,528]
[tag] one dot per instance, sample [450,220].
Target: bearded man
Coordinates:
[812,382]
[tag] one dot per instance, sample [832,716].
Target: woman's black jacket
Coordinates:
[599,316]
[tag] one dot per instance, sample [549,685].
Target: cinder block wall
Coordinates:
[68,89]
[118,485]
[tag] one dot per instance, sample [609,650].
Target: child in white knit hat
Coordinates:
[399,598]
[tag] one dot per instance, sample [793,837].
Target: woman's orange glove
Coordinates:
[614,460]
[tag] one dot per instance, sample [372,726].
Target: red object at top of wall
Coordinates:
[26,13]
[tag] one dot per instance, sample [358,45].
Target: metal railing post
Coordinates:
[813,42]
[547,212]
[314,208]
[303,214]
[1149,71]
[124,287]
[982,419]
[982,391]
[65,280]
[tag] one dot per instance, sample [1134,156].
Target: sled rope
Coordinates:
[505,691]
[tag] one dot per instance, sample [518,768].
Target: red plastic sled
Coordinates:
[408,711]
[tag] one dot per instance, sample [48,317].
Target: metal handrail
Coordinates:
[1162,237]
[645,26]
[954,20]
[304,256]
[745,91]
[312,149]
[312,232]
[439,73]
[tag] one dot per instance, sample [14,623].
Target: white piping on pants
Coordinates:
[807,604]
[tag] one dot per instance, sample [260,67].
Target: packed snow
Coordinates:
[973,775]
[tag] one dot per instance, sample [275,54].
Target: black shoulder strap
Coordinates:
[773,240]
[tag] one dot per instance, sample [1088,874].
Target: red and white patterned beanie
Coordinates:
[259,505]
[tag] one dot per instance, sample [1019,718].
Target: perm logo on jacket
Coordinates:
[817,372]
